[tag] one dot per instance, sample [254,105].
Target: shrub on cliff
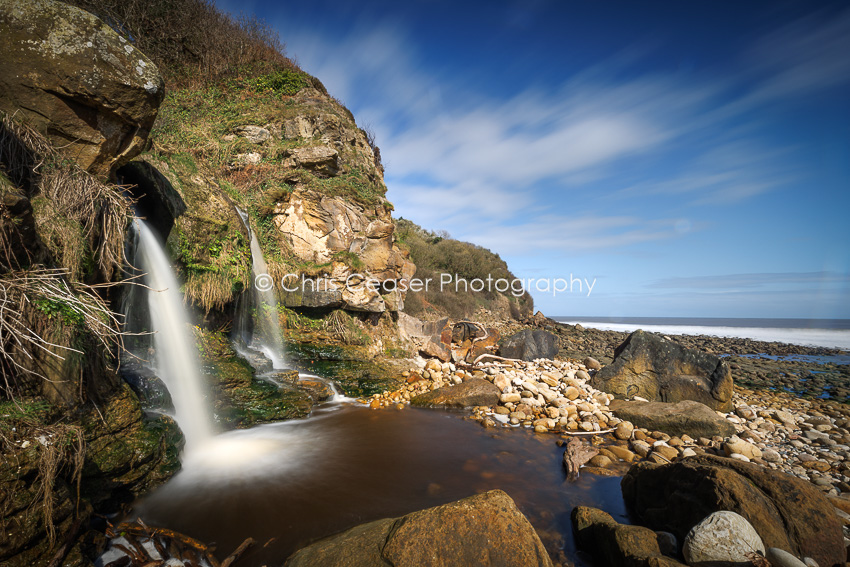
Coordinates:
[436,254]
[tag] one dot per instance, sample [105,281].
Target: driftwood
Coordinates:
[579,433]
[169,544]
[575,455]
[238,553]
[487,355]
[757,560]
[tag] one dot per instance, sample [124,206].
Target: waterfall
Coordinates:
[176,358]
[267,336]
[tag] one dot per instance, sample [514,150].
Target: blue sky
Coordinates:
[691,157]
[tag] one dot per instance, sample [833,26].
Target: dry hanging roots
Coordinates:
[19,291]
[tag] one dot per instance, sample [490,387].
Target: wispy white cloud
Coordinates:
[730,282]
[806,55]
[491,170]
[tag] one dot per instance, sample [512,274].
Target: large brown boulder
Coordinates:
[473,392]
[787,512]
[483,530]
[648,366]
[71,77]
[683,418]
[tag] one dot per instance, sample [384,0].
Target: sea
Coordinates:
[830,333]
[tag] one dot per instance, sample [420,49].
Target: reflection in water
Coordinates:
[301,480]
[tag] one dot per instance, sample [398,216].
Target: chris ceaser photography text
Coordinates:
[517,286]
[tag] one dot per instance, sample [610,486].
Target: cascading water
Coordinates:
[176,359]
[267,336]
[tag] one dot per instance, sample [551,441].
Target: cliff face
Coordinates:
[295,160]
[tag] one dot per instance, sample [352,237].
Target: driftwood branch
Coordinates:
[486,355]
[575,455]
[238,553]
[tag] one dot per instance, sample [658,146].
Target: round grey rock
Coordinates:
[721,537]
[781,558]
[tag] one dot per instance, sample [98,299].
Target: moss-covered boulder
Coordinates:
[73,78]
[57,468]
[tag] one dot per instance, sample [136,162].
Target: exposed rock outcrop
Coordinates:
[71,77]
[355,237]
[485,530]
[683,418]
[124,455]
[785,511]
[656,369]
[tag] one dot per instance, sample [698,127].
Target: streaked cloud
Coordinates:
[733,282]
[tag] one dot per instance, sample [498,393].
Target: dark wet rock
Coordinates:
[317,389]
[787,512]
[125,455]
[529,344]
[682,418]
[17,229]
[75,80]
[482,530]
[466,330]
[240,399]
[648,366]
[473,392]
[617,545]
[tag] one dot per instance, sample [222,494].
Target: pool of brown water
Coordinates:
[295,482]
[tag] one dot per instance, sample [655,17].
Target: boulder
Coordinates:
[72,78]
[529,345]
[486,530]
[787,512]
[466,330]
[781,558]
[683,418]
[656,369]
[473,392]
[737,446]
[617,545]
[723,537]
[254,134]
[322,160]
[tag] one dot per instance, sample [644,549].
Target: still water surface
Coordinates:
[301,480]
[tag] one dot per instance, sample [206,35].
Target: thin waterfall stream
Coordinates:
[258,322]
[176,356]
[267,336]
